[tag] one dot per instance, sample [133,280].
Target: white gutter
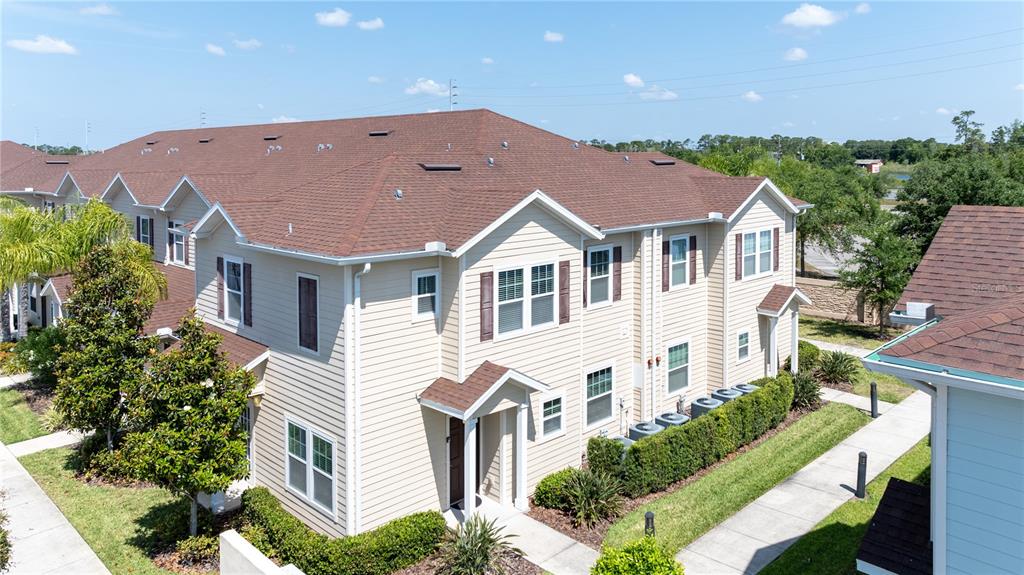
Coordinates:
[356,474]
[644,227]
[435,249]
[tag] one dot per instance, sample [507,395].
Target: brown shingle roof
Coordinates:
[462,396]
[61,285]
[239,350]
[776,298]
[898,538]
[181,289]
[976,258]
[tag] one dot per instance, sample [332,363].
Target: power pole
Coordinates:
[202,118]
[451,94]
[88,128]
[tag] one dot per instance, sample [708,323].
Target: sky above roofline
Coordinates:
[113,71]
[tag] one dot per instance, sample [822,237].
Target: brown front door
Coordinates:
[456,433]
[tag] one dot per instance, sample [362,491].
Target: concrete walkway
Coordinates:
[59,439]
[12,380]
[850,349]
[859,401]
[551,550]
[43,542]
[761,531]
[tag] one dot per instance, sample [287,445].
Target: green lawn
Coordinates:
[890,388]
[686,514]
[843,332]
[17,421]
[831,548]
[120,523]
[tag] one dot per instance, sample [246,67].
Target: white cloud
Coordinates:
[427,86]
[487,60]
[862,8]
[633,81]
[375,80]
[942,111]
[550,36]
[336,18]
[811,16]
[1019,87]
[752,96]
[215,49]
[795,54]
[250,44]
[375,24]
[788,124]
[99,10]
[656,92]
[43,45]
[282,119]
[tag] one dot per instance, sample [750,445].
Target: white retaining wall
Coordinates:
[239,557]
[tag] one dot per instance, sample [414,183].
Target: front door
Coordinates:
[456,433]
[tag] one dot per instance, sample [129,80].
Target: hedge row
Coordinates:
[388,548]
[653,463]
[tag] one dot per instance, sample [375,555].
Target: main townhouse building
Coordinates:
[448,304]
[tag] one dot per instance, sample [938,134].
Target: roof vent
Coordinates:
[145,151]
[172,151]
[57,161]
[663,162]
[205,140]
[270,138]
[151,142]
[379,133]
[441,167]
[322,147]
[398,193]
[575,145]
[504,144]
[625,158]
[490,161]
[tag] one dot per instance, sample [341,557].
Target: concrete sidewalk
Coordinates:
[761,531]
[859,401]
[12,380]
[54,440]
[42,539]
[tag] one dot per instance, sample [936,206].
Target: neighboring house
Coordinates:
[454,303]
[967,299]
[872,166]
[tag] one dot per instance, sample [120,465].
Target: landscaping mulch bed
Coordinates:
[168,558]
[593,537]
[847,387]
[37,397]
[513,565]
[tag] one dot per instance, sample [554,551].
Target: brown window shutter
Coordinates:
[138,228]
[187,241]
[666,257]
[486,306]
[308,314]
[43,309]
[617,273]
[693,259]
[739,256]
[220,287]
[775,247]
[563,292]
[247,293]
[586,274]
[152,236]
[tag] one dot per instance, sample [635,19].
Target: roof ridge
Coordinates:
[350,239]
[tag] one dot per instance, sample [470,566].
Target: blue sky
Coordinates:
[605,70]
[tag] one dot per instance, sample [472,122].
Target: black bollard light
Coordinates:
[649,524]
[862,474]
[874,399]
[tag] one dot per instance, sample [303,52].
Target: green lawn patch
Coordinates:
[684,515]
[890,388]
[121,524]
[17,421]
[843,332]
[831,548]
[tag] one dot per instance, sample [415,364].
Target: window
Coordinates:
[145,234]
[551,416]
[743,346]
[510,301]
[245,423]
[600,275]
[757,253]
[309,312]
[311,465]
[679,248]
[233,289]
[49,206]
[424,289]
[678,367]
[542,294]
[599,396]
[177,243]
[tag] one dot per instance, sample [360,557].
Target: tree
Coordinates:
[880,267]
[189,439]
[102,363]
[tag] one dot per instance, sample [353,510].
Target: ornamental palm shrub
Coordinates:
[836,368]
[642,557]
[476,548]
[592,496]
[806,391]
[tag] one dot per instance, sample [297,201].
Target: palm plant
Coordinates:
[837,368]
[476,548]
[592,496]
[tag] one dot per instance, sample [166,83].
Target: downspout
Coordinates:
[350,523]
[726,336]
[655,268]
[356,475]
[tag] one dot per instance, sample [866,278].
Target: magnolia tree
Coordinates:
[880,267]
[189,439]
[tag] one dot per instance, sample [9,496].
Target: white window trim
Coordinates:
[298,319]
[173,225]
[144,238]
[416,275]
[527,299]
[591,304]
[686,262]
[308,496]
[586,400]
[757,253]
[739,359]
[49,205]
[689,365]
[241,289]
[542,437]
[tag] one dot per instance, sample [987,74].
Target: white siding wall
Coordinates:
[121,201]
[189,208]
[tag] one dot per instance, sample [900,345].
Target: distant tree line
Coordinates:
[58,150]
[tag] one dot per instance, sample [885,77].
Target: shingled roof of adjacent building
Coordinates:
[898,538]
[777,298]
[181,290]
[462,396]
[976,258]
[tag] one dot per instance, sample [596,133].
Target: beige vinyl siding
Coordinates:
[189,209]
[307,387]
[637,406]
[121,201]
[492,446]
[715,258]
[763,212]
[400,358]
[449,302]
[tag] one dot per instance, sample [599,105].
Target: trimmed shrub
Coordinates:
[806,390]
[808,357]
[5,542]
[198,549]
[592,496]
[550,491]
[53,420]
[390,547]
[642,557]
[475,548]
[837,368]
[38,353]
[605,455]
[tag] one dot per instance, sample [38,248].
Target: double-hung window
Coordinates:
[551,415]
[145,233]
[679,248]
[678,367]
[526,298]
[232,289]
[757,253]
[177,242]
[510,300]
[599,396]
[311,465]
[742,346]
[424,286]
[600,276]
[542,294]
